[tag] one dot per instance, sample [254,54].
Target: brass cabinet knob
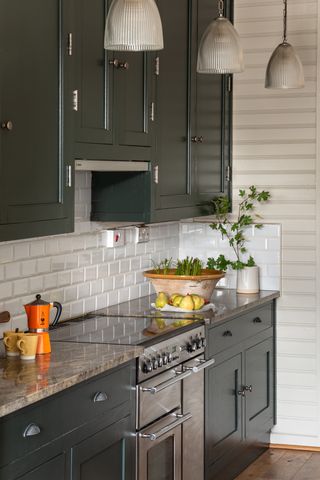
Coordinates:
[8,125]
[118,64]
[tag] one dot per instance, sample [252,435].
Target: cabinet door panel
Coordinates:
[173,106]
[133,100]
[51,470]
[259,375]
[94,75]
[223,408]
[212,121]
[33,82]
[105,454]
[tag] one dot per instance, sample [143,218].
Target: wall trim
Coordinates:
[293,447]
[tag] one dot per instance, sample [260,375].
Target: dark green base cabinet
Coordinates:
[76,442]
[240,403]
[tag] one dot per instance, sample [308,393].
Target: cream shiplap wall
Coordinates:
[275,147]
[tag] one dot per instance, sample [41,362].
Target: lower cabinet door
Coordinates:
[259,384]
[223,409]
[108,454]
[50,470]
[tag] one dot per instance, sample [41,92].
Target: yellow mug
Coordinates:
[27,344]
[10,338]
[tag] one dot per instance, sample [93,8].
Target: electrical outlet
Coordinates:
[114,238]
[142,234]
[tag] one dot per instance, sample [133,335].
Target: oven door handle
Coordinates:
[202,365]
[180,418]
[161,386]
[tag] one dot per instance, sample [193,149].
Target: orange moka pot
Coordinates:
[38,313]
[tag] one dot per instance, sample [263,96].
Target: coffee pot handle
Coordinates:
[58,306]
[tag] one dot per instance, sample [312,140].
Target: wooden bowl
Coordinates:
[170,283]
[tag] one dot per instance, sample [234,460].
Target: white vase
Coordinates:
[248,280]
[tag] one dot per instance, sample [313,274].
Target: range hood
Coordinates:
[111,166]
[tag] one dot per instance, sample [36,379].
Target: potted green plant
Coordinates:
[186,276]
[234,230]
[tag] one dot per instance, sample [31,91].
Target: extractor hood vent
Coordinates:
[111,166]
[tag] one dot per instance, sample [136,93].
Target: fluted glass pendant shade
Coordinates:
[133,25]
[284,69]
[220,49]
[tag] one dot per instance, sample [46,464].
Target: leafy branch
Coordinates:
[234,231]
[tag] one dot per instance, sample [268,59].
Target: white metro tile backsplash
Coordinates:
[79,271]
[199,240]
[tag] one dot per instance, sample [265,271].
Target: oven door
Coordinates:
[160,448]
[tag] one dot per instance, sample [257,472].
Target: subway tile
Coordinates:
[91,273]
[77,276]
[72,261]
[77,308]
[108,284]
[52,246]
[112,298]
[83,290]
[101,301]
[12,270]
[64,278]
[90,304]
[50,281]
[124,266]
[28,268]
[96,287]
[21,251]
[119,281]
[97,257]
[6,253]
[36,284]
[20,287]
[37,248]
[114,268]
[124,295]
[84,259]
[43,265]
[70,294]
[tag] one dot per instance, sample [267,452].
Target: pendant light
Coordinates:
[220,49]
[284,69]
[133,25]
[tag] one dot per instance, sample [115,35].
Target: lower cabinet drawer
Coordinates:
[234,331]
[37,425]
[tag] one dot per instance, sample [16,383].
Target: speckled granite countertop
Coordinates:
[25,382]
[228,304]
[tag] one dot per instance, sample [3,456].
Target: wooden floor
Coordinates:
[284,465]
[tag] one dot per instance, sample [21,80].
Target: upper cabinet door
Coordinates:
[174,103]
[112,92]
[213,120]
[94,78]
[35,105]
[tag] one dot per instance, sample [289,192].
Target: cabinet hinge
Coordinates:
[70,45]
[228,173]
[157,66]
[156,174]
[68,176]
[75,100]
[152,111]
[229,83]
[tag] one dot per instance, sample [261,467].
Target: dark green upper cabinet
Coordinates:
[35,112]
[213,109]
[112,97]
[193,153]
[191,147]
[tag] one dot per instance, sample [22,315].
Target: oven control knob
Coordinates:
[170,358]
[155,363]
[199,342]
[147,366]
[204,342]
[160,361]
[189,347]
[165,358]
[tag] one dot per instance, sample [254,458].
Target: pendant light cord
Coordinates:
[285,14]
[220,8]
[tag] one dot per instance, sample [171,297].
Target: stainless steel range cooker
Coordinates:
[169,390]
